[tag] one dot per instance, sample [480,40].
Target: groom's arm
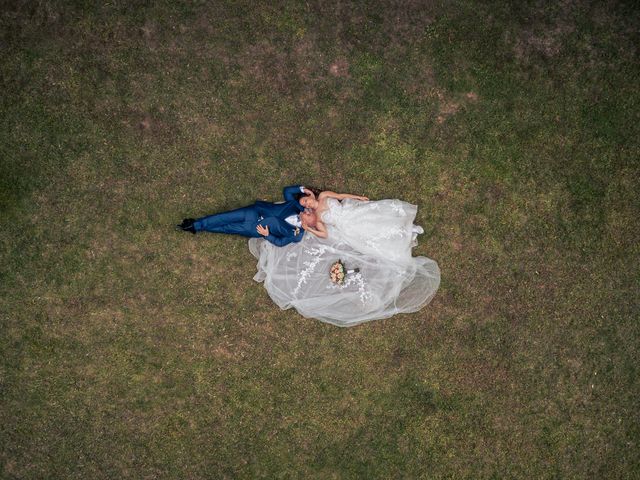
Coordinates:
[289,192]
[277,240]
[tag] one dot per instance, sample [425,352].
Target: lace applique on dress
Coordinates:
[391,232]
[397,207]
[316,253]
[357,279]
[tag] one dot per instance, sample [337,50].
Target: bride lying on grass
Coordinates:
[356,267]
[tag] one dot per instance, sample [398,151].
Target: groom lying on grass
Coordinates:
[280,223]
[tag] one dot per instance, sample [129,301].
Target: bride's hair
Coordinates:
[316,192]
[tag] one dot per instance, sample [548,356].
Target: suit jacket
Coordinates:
[280,232]
[274,214]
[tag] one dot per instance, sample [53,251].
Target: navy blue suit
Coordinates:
[244,221]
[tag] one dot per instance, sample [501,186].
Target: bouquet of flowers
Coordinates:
[339,272]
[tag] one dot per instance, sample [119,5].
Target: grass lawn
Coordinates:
[130,350]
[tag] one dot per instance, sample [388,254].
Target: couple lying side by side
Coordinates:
[371,241]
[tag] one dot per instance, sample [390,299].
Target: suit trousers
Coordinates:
[241,221]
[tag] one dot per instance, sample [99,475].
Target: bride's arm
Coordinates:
[340,196]
[320,231]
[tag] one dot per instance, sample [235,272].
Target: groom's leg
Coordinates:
[232,221]
[244,229]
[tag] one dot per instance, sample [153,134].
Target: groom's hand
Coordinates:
[264,231]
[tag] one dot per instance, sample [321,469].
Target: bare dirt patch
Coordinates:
[339,68]
[156,126]
[548,41]
[149,37]
[269,67]
[449,106]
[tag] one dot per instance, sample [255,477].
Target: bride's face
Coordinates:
[308,202]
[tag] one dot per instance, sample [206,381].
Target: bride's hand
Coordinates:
[364,199]
[264,231]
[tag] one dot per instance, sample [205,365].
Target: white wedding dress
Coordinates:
[374,237]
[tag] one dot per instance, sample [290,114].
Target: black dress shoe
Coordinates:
[187,225]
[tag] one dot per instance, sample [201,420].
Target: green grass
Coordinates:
[132,351]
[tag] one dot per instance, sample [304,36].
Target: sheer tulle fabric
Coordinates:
[389,280]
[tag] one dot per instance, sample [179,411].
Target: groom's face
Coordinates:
[308,218]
